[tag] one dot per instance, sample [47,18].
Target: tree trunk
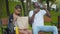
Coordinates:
[47,1]
[1,5]
[26,13]
[40,1]
[22,1]
[7,8]
[29,5]
[1,2]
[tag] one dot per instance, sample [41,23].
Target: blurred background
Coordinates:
[7,8]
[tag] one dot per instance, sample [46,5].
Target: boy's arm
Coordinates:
[31,19]
[47,12]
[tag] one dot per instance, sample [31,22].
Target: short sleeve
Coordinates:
[30,13]
[43,12]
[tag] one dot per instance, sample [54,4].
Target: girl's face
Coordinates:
[18,11]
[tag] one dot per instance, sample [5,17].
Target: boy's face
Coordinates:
[38,8]
[18,11]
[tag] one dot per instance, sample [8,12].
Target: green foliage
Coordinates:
[54,17]
[3,12]
[12,5]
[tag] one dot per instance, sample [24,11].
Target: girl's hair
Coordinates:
[18,6]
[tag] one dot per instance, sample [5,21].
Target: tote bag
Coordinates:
[22,22]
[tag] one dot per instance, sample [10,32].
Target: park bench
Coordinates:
[5,22]
[49,20]
[59,24]
[4,25]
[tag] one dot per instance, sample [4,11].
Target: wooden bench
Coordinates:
[4,21]
[4,25]
[47,19]
[59,24]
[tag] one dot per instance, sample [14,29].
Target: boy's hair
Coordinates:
[18,6]
[36,5]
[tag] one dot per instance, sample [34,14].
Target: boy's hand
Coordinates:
[44,7]
[36,11]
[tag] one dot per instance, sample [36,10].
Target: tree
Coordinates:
[0,8]
[29,4]
[23,6]
[47,1]
[26,7]
[7,8]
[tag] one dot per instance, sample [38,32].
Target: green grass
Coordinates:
[0,31]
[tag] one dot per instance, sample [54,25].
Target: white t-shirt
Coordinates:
[39,17]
